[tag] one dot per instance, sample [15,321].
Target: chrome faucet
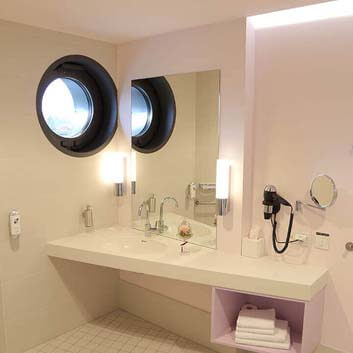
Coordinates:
[147,205]
[160,225]
[147,223]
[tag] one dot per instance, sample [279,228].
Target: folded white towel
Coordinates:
[263,319]
[267,344]
[280,333]
[260,331]
[249,307]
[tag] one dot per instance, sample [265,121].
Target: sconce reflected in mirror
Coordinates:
[323,193]
[133,172]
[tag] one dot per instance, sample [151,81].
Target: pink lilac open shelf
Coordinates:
[304,318]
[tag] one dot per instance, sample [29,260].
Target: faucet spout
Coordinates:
[145,205]
[161,226]
[139,212]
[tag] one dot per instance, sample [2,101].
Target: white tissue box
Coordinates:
[253,247]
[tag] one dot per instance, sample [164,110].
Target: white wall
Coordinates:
[303,126]
[211,47]
[2,326]
[44,297]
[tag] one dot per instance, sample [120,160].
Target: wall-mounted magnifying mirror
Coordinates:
[323,193]
[174,121]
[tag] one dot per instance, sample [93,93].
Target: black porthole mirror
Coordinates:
[153,114]
[77,105]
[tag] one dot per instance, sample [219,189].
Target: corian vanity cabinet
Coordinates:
[295,291]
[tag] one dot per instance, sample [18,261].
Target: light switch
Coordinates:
[301,238]
[322,242]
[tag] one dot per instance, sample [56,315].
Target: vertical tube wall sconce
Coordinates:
[113,170]
[133,172]
[222,186]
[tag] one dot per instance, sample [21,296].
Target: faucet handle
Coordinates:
[149,226]
[182,245]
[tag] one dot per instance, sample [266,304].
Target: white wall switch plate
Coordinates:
[322,242]
[303,239]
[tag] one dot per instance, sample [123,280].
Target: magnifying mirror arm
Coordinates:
[299,204]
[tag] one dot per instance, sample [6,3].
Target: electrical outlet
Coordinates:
[322,242]
[302,238]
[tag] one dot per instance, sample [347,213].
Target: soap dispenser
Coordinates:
[87,215]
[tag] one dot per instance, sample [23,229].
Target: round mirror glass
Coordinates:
[323,191]
[67,107]
[141,112]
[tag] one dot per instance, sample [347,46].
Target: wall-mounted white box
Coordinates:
[253,247]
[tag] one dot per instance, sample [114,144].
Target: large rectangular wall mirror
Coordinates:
[175,125]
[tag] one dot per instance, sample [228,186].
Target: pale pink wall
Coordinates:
[220,46]
[211,47]
[304,126]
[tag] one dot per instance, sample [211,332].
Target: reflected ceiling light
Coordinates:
[311,13]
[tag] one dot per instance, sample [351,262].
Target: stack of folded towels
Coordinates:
[260,328]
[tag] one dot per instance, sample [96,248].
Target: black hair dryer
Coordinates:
[272,205]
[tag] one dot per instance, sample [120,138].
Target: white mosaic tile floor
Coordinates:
[119,332]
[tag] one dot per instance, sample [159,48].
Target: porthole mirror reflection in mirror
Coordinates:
[175,124]
[323,191]
[153,114]
[141,112]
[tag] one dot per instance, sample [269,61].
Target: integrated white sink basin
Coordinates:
[127,249]
[203,234]
[133,243]
[136,245]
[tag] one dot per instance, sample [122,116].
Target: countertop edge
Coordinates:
[265,287]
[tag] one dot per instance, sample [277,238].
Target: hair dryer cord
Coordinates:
[274,235]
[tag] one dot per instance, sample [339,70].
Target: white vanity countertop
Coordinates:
[128,249]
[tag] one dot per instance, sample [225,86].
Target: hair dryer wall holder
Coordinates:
[299,205]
